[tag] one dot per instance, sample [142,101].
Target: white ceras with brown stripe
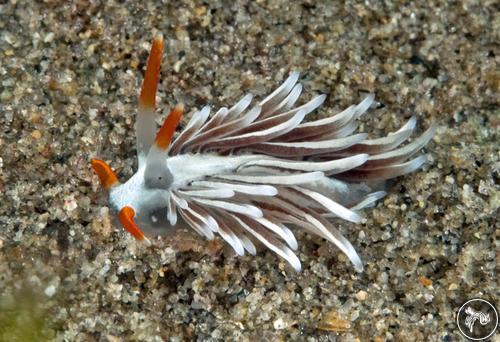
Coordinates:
[253,171]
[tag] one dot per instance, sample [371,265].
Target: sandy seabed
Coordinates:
[70,73]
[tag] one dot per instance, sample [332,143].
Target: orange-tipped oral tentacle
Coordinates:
[126,217]
[106,174]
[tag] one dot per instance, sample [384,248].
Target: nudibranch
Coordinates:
[256,171]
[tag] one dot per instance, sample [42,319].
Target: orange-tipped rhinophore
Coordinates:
[152,75]
[167,130]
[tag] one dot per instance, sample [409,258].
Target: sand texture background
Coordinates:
[70,73]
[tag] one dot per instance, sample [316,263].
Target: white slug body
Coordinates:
[253,173]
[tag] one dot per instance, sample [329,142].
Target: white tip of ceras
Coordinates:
[363,106]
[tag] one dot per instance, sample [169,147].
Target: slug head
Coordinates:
[158,176]
[152,154]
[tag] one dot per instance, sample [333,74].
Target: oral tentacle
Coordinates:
[126,217]
[106,175]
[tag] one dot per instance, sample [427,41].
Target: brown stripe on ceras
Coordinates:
[222,131]
[289,151]
[377,174]
[309,130]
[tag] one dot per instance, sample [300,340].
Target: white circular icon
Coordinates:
[477,319]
